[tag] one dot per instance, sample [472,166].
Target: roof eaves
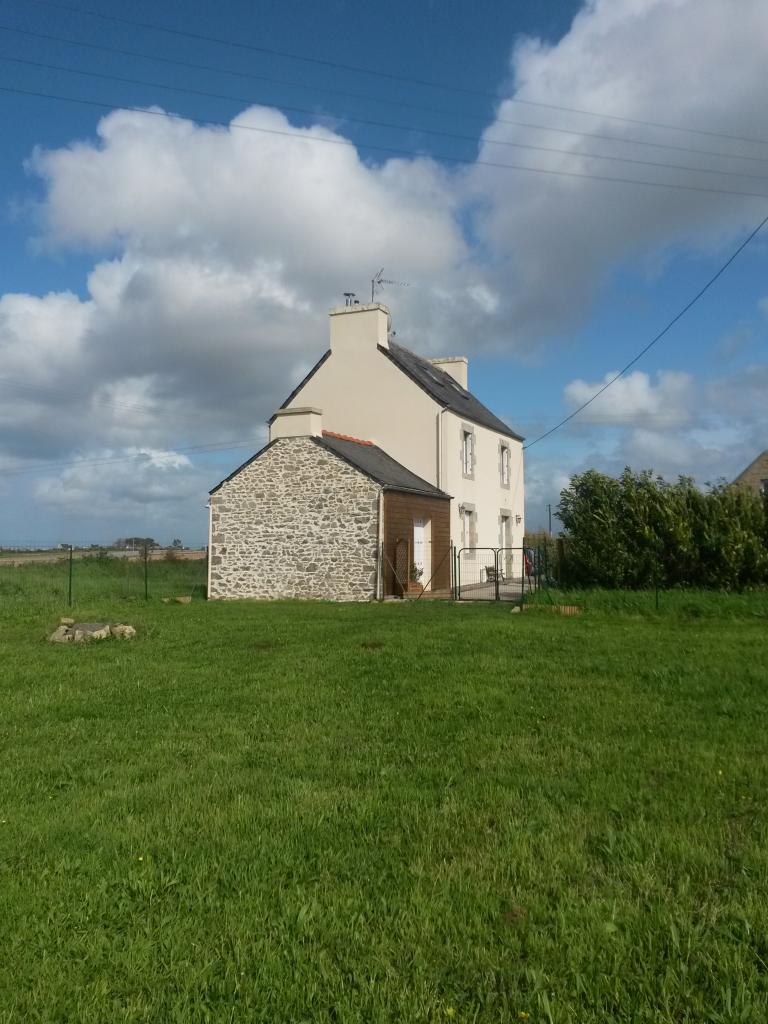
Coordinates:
[465,414]
[245,464]
[431,492]
[305,380]
[755,462]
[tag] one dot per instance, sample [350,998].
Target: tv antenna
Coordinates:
[378,281]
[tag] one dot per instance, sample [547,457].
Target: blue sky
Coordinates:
[163,283]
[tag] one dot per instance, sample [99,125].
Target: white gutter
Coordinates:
[439,481]
[380,550]
[208,579]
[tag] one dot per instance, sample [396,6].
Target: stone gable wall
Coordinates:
[296,522]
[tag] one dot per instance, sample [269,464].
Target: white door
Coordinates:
[421,549]
[506,543]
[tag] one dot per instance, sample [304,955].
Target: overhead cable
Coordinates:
[391,150]
[358,69]
[462,115]
[485,140]
[755,231]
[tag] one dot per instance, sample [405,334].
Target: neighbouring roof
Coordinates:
[761,458]
[375,463]
[445,390]
[752,475]
[363,455]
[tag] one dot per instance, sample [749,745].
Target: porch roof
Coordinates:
[375,463]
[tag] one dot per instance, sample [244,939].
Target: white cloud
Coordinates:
[557,240]
[707,429]
[217,252]
[635,399]
[309,209]
[736,342]
[544,481]
[144,483]
[674,424]
[230,245]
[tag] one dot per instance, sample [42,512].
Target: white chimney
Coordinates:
[456,366]
[303,421]
[359,327]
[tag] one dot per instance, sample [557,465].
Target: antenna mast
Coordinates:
[378,281]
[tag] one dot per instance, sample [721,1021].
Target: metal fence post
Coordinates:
[659,569]
[537,573]
[71,550]
[524,576]
[146,572]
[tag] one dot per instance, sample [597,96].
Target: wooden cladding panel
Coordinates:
[400,510]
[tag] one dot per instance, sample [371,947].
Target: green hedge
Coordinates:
[640,530]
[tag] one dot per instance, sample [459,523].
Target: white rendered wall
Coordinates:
[485,492]
[363,394]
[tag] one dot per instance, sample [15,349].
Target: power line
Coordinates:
[18,385]
[379,99]
[658,337]
[226,446]
[391,150]
[391,76]
[203,449]
[382,124]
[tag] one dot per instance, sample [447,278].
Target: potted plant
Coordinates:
[414,579]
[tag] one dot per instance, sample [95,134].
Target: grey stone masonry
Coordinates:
[298,521]
[755,476]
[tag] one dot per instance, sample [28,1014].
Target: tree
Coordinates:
[136,542]
[640,529]
[176,543]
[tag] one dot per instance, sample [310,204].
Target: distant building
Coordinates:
[755,476]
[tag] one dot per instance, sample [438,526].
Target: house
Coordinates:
[377,462]
[755,476]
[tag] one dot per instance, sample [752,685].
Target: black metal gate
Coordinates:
[492,574]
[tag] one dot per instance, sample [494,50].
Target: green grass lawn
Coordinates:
[385,813]
[97,578]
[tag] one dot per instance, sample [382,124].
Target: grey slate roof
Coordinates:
[375,463]
[368,458]
[445,390]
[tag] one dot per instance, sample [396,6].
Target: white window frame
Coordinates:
[506,465]
[469,530]
[467,451]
